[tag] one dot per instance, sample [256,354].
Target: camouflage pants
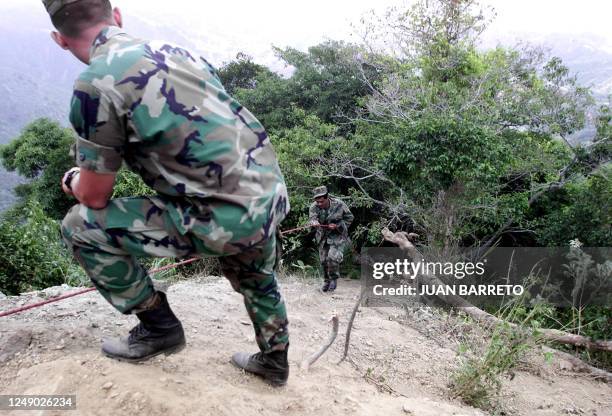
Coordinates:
[330,256]
[106,241]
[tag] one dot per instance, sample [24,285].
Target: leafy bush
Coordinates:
[42,153]
[32,255]
[580,210]
[478,380]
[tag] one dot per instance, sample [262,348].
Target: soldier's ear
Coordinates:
[59,39]
[117,17]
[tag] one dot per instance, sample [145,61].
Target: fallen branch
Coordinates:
[349,327]
[553,335]
[305,365]
[580,366]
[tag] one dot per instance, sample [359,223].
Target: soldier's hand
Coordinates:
[332,226]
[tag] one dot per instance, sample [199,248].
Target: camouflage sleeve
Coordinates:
[312,214]
[347,216]
[100,131]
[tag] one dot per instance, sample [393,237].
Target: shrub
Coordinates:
[33,256]
[478,380]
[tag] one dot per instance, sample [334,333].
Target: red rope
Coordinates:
[152,271]
[90,289]
[303,228]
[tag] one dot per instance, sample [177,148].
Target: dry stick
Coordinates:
[579,365]
[349,327]
[314,357]
[383,386]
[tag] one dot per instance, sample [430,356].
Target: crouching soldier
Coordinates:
[162,111]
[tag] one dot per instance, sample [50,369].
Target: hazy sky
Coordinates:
[550,16]
[253,26]
[312,18]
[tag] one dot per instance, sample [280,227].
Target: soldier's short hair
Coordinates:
[75,17]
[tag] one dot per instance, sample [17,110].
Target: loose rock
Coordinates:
[13,343]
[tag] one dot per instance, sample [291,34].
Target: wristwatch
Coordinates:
[70,177]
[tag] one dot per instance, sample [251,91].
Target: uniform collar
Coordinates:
[103,37]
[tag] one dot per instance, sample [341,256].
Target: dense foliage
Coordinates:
[33,256]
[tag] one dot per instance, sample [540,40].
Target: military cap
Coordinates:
[319,191]
[54,6]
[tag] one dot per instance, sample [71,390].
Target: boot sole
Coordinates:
[170,350]
[273,383]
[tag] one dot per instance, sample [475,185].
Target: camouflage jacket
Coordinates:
[162,110]
[337,213]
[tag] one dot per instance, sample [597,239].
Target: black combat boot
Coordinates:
[332,285]
[325,286]
[273,367]
[159,331]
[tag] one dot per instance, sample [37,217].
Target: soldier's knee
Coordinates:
[333,265]
[230,274]
[336,255]
[71,223]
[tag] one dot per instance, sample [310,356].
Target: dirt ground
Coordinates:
[400,362]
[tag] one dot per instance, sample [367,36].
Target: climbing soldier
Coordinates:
[332,218]
[162,111]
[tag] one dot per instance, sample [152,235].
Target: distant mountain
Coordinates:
[588,56]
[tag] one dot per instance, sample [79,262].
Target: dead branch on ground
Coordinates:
[403,241]
[305,365]
[553,335]
[349,327]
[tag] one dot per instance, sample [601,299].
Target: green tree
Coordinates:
[329,80]
[242,73]
[268,100]
[581,210]
[41,153]
[455,126]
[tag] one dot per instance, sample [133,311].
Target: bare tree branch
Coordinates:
[305,365]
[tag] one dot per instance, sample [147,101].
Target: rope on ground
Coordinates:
[153,271]
[90,289]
